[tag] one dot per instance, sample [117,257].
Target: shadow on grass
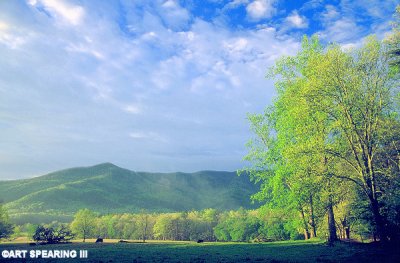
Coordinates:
[298,251]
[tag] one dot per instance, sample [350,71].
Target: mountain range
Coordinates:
[107,188]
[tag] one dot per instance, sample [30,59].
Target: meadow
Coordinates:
[159,251]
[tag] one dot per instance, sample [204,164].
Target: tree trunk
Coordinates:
[332,237]
[312,220]
[380,227]
[306,231]
[379,223]
[347,232]
[345,228]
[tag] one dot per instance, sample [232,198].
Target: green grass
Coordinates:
[299,251]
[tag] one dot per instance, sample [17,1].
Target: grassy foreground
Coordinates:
[299,251]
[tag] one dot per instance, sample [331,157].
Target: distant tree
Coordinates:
[6,228]
[53,235]
[84,223]
[210,217]
[163,227]
[143,224]
[29,229]
[17,231]
[237,225]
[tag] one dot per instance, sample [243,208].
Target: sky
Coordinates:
[157,85]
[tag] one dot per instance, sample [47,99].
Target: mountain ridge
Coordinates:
[107,188]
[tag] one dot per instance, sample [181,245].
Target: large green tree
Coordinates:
[84,223]
[289,152]
[325,129]
[356,91]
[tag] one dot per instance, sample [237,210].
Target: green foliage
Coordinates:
[84,223]
[40,217]
[29,229]
[207,225]
[237,226]
[326,136]
[53,235]
[6,228]
[107,188]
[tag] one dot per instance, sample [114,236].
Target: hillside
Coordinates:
[107,188]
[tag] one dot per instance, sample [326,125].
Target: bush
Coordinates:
[53,235]
[6,228]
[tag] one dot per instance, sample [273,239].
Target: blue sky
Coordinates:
[151,85]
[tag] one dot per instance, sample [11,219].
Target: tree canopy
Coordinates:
[83,223]
[327,134]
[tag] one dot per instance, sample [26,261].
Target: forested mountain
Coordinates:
[108,188]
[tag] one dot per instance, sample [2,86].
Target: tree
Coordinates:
[84,223]
[6,228]
[289,154]
[143,224]
[356,90]
[29,229]
[325,129]
[240,225]
[53,235]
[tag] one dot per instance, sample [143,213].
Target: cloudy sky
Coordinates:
[157,85]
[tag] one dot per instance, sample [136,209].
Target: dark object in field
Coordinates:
[123,241]
[32,244]
[260,239]
[200,241]
[99,240]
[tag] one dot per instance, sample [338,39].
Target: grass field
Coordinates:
[299,251]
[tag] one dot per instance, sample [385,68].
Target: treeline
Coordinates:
[207,225]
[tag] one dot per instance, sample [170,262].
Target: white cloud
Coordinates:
[150,136]
[296,20]
[12,36]
[260,9]
[132,109]
[349,46]
[377,9]
[149,36]
[4,26]
[312,4]
[330,13]
[348,22]
[235,3]
[343,30]
[339,27]
[91,86]
[237,45]
[82,48]
[138,135]
[72,14]
[175,16]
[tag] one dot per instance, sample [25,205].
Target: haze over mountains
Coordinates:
[107,188]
